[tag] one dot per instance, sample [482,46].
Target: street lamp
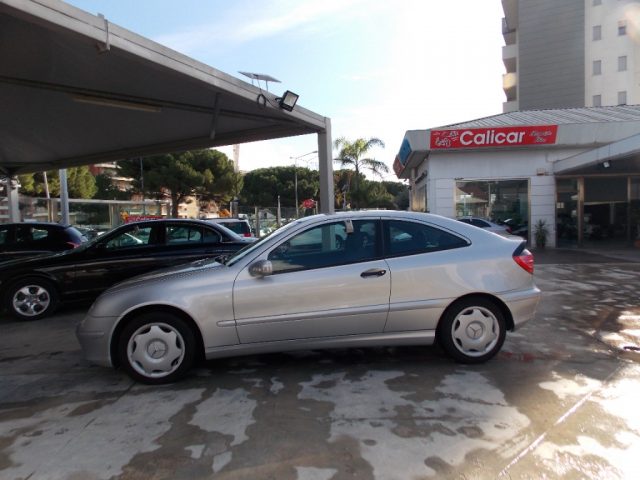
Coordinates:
[295,174]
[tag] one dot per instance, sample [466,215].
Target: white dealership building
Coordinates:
[577,170]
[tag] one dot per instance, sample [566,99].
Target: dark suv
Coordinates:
[32,238]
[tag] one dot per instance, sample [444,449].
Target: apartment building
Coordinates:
[570,53]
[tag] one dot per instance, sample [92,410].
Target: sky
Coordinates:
[377,68]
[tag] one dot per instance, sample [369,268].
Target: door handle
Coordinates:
[373,272]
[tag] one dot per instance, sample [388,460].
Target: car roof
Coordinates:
[184,221]
[38,224]
[221,220]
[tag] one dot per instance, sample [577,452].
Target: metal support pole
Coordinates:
[64,197]
[12,197]
[325,164]
[295,184]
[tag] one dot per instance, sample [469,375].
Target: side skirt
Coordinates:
[423,337]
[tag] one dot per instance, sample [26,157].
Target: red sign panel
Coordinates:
[309,203]
[140,218]
[493,137]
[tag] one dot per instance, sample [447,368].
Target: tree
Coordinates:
[80,183]
[208,173]
[263,186]
[107,190]
[352,154]
[400,193]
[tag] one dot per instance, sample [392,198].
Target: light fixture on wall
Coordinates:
[606,164]
[288,100]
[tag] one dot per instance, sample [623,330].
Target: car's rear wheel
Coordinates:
[156,348]
[472,330]
[31,298]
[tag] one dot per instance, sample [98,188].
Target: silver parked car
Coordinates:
[397,278]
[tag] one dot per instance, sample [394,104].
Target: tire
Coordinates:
[472,330]
[156,348]
[31,298]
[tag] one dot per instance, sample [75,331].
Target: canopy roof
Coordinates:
[76,89]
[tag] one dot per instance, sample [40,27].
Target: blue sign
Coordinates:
[405,151]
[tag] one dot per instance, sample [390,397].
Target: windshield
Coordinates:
[243,252]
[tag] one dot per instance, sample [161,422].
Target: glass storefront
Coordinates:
[502,201]
[567,212]
[634,210]
[597,211]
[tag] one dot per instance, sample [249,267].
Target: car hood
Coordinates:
[169,272]
[34,260]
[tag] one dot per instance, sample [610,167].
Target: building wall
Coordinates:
[609,48]
[536,165]
[551,56]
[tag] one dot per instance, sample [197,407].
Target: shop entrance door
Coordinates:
[605,219]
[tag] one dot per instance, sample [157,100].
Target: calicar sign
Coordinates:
[494,137]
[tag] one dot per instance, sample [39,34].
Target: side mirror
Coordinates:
[261,268]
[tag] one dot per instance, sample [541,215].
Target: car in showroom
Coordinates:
[487,225]
[398,278]
[24,239]
[33,287]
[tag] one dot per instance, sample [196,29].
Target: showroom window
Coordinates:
[499,201]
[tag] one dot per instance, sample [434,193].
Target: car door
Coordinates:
[423,260]
[320,287]
[7,243]
[129,251]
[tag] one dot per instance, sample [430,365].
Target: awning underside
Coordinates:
[63,102]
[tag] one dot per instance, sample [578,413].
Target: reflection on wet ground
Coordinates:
[558,402]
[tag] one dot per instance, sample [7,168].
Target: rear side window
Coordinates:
[179,234]
[4,236]
[241,228]
[479,223]
[190,234]
[411,238]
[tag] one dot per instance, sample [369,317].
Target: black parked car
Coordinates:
[33,287]
[33,238]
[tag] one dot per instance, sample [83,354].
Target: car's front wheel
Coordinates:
[156,348]
[31,298]
[472,330]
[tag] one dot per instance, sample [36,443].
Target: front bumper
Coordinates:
[94,335]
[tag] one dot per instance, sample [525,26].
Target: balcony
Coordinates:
[510,106]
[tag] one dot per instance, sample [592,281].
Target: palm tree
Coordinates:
[350,154]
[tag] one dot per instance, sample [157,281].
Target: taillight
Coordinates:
[73,244]
[509,230]
[525,259]
[247,234]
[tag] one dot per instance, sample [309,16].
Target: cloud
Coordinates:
[245,23]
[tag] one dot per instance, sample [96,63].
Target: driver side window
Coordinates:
[325,246]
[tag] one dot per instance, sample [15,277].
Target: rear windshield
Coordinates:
[238,227]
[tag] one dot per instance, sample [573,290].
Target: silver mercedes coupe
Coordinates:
[350,279]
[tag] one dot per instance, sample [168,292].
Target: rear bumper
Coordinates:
[522,304]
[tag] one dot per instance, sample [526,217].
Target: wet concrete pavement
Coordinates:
[560,401]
